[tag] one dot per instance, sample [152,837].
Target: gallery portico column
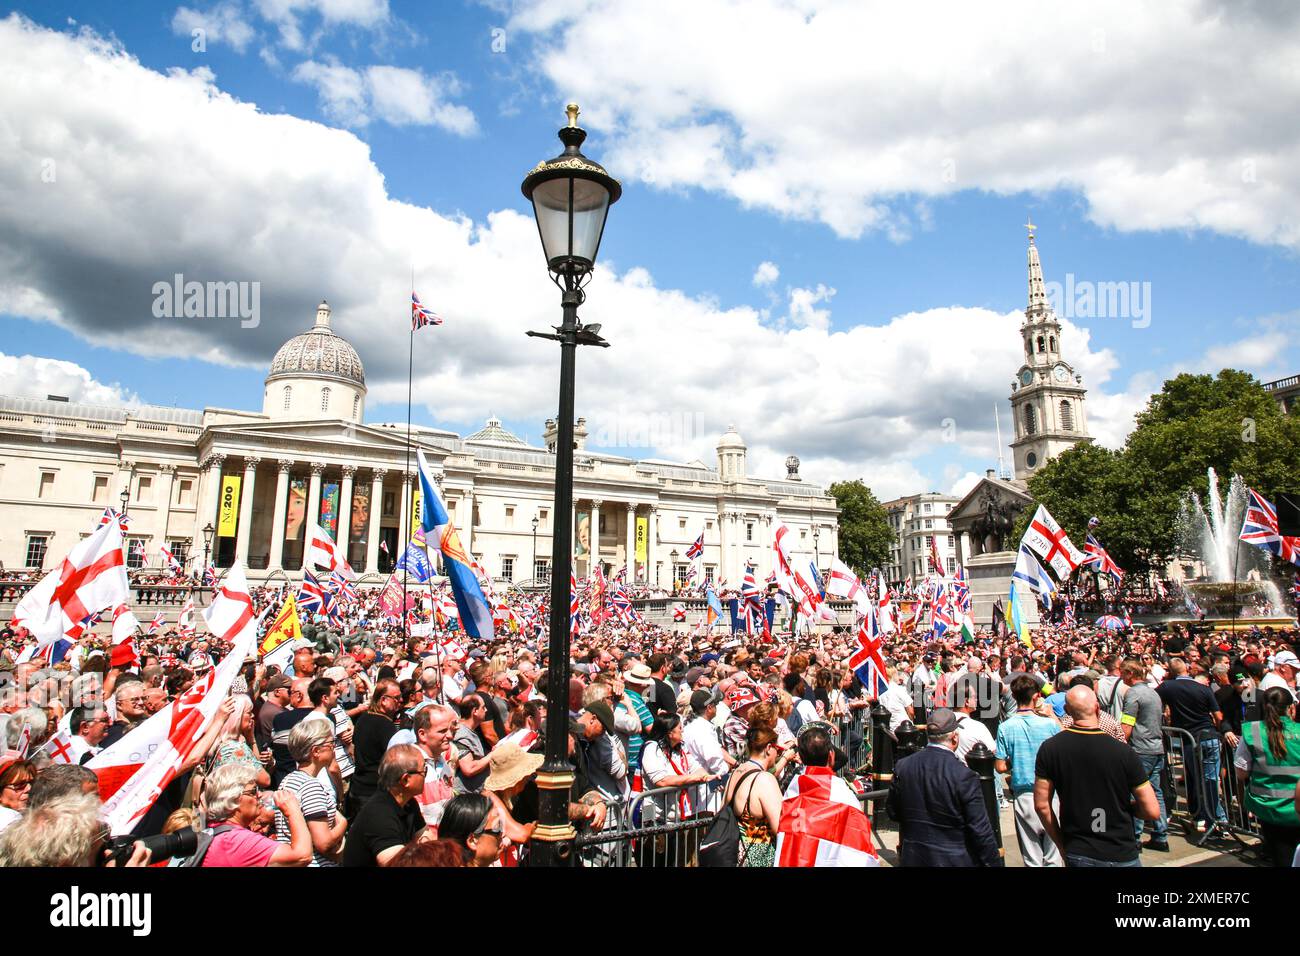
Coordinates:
[345,509]
[167,481]
[376,504]
[630,544]
[404,516]
[594,561]
[211,491]
[313,497]
[279,516]
[246,510]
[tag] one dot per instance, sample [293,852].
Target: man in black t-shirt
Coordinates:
[391,818]
[283,722]
[1191,706]
[370,736]
[1100,785]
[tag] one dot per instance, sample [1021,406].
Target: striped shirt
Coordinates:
[636,741]
[318,803]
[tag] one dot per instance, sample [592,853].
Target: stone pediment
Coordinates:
[281,434]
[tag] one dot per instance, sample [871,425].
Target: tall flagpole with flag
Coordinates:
[420,317]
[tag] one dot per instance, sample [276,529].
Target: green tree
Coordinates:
[865,534]
[1194,422]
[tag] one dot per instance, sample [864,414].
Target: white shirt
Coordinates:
[1274,679]
[969,733]
[896,700]
[807,710]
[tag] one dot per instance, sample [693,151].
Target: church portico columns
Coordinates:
[280,514]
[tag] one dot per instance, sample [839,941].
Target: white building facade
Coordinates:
[917,521]
[308,457]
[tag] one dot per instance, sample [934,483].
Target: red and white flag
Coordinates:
[172,563]
[185,621]
[1046,539]
[322,552]
[822,824]
[59,748]
[125,624]
[806,595]
[91,578]
[842,582]
[135,770]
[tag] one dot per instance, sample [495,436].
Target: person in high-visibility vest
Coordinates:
[1268,763]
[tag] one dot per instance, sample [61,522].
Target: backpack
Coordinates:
[720,845]
[206,836]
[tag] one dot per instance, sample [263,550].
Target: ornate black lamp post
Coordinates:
[571,197]
[125,497]
[534,574]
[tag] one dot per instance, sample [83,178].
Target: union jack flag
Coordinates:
[210,576]
[752,601]
[575,617]
[867,661]
[311,596]
[156,623]
[697,549]
[623,605]
[111,513]
[961,591]
[1260,529]
[420,316]
[342,587]
[1068,620]
[1096,557]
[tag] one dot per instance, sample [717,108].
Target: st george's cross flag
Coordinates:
[134,771]
[822,824]
[322,552]
[1046,539]
[842,582]
[170,558]
[60,748]
[792,581]
[91,578]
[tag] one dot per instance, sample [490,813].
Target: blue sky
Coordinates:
[715,184]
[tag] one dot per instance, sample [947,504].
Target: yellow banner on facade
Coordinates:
[642,535]
[415,512]
[228,506]
[285,628]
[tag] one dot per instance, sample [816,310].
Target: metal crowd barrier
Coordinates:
[647,830]
[1188,793]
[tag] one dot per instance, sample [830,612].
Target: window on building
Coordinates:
[708,526]
[508,567]
[288,397]
[949,539]
[925,508]
[710,573]
[144,489]
[749,531]
[1051,342]
[1067,417]
[542,570]
[1042,344]
[947,508]
[952,565]
[356,406]
[1031,425]
[803,534]
[542,515]
[929,522]
[100,493]
[679,572]
[510,516]
[929,540]
[390,504]
[681,524]
[47,485]
[185,492]
[180,550]
[325,399]
[135,553]
[37,545]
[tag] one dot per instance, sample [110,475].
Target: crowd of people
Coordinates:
[375,747]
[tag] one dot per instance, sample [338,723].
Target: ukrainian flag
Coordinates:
[1014,618]
[715,606]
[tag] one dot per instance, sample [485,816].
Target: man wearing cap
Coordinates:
[938,804]
[703,742]
[274,701]
[604,757]
[1283,674]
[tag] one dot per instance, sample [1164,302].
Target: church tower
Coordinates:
[1047,397]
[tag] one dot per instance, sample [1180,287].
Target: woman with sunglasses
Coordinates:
[472,822]
[16,778]
[231,805]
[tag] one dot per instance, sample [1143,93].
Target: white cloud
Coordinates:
[288,16]
[395,95]
[853,113]
[33,376]
[766,273]
[302,209]
[962,486]
[224,23]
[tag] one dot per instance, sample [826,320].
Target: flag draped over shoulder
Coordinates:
[91,578]
[440,533]
[822,824]
[134,771]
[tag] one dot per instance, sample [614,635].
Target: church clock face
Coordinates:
[1061,373]
[1026,377]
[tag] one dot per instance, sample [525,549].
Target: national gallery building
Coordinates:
[258,478]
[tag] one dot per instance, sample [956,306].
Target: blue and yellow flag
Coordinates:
[440,533]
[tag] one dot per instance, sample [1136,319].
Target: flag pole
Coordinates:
[406,473]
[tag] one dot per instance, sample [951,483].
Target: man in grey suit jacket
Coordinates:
[938,804]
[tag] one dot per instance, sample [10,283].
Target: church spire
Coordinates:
[1038,308]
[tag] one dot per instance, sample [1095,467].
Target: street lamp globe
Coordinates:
[571,196]
[208,532]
